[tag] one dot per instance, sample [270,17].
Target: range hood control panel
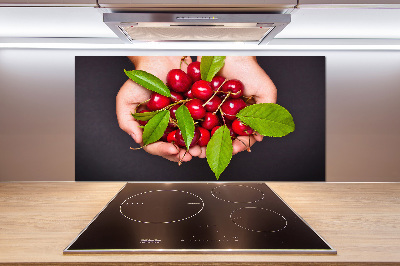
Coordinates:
[197,18]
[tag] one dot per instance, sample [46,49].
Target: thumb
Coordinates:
[161,149]
[132,128]
[125,120]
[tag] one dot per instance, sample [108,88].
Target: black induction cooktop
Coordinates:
[198,217]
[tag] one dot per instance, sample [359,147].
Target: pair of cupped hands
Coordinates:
[257,84]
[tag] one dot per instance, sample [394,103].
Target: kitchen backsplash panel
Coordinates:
[102,149]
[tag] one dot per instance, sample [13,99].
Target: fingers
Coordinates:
[184,66]
[195,151]
[242,143]
[203,152]
[270,96]
[184,156]
[256,81]
[198,151]
[132,128]
[264,88]
[128,98]
[126,122]
[161,148]
[258,137]
[169,151]
[175,154]
[176,158]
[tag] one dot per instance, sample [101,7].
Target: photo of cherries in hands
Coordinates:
[202,107]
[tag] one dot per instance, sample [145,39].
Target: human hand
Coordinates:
[257,85]
[131,95]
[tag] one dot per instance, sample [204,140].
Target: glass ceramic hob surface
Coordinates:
[198,217]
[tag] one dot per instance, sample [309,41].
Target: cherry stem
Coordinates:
[247,147]
[141,104]
[183,60]
[176,147]
[180,160]
[165,108]
[135,149]
[171,120]
[248,98]
[226,97]
[215,93]
[236,93]
[173,104]
[222,115]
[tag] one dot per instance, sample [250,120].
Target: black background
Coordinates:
[102,149]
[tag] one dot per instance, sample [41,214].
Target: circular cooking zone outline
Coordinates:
[128,202]
[259,198]
[237,220]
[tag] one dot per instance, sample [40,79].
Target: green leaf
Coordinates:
[154,129]
[185,124]
[149,81]
[268,119]
[219,150]
[144,116]
[210,65]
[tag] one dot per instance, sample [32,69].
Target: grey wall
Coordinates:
[37,112]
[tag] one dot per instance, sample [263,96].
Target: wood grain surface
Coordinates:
[360,220]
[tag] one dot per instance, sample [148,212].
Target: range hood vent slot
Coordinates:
[150,27]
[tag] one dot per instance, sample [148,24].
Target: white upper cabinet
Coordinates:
[92,3]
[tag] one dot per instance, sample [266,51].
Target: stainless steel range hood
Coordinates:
[258,28]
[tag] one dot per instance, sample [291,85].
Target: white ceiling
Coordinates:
[78,22]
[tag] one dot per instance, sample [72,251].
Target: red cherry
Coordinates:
[231,107]
[214,129]
[189,94]
[171,137]
[210,121]
[193,71]
[172,111]
[231,132]
[166,133]
[143,123]
[204,137]
[235,87]
[176,97]
[202,90]
[241,129]
[181,143]
[178,80]
[196,108]
[157,102]
[213,103]
[216,82]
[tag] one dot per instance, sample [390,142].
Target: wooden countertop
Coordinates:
[360,220]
